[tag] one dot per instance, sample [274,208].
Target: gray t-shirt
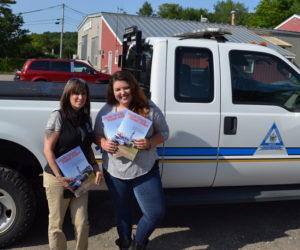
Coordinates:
[54,121]
[121,167]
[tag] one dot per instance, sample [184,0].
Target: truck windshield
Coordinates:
[140,66]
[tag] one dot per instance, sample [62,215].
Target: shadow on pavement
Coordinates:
[100,217]
[227,227]
[212,227]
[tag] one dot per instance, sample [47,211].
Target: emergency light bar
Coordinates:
[217,33]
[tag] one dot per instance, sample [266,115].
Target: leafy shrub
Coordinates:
[11,64]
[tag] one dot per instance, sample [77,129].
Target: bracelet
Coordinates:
[58,176]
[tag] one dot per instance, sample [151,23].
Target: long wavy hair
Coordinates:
[139,103]
[75,86]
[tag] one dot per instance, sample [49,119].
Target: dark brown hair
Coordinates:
[75,86]
[139,103]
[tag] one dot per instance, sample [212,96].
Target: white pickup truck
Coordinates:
[233,112]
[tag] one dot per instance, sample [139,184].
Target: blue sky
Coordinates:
[48,12]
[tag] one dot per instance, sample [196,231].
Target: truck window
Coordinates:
[259,78]
[194,81]
[143,76]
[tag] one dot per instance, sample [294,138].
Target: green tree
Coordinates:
[223,10]
[47,45]
[296,7]
[172,11]
[194,14]
[70,44]
[146,10]
[12,37]
[270,13]
[5,3]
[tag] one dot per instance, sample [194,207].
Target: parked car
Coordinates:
[59,70]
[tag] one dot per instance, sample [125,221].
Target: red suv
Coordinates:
[56,70]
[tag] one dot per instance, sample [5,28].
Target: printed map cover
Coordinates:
[112,122]
[132,127]
[74,165]
[124,127]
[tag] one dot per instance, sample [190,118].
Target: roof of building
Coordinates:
[162,27]
[277,41]
[273,32]
[287,20]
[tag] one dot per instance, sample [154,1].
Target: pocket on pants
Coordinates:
[50,180]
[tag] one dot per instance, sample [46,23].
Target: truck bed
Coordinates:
[44,90]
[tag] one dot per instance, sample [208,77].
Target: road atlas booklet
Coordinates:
[74,165]
[112,122]
[131,126]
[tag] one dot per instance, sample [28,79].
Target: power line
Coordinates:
[32,11]
[42,20]
[78,12]
[71,21]
[29,24]
[54,20]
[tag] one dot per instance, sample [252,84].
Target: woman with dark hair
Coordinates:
[66,129]
[140,177]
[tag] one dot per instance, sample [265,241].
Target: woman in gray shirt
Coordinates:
[140,177]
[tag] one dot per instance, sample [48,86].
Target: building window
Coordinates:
[116,56]
[84,47]
[110,54]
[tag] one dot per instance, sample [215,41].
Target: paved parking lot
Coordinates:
[6,77]
[265,226]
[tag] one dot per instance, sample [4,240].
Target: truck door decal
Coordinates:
[272,142]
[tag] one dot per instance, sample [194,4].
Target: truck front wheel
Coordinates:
[17,206]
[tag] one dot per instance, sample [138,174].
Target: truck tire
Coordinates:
[17,206]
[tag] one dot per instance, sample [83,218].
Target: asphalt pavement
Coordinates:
[6,77]
[253,226]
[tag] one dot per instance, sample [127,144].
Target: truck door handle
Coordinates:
[230,125]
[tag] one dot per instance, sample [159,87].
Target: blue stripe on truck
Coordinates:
[214,151]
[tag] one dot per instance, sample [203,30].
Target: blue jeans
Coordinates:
[148,192]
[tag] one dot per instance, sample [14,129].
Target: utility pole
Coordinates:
[62,30]
[117,23]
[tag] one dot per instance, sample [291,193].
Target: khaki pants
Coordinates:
[57,210]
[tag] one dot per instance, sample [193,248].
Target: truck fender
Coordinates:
[30,140]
